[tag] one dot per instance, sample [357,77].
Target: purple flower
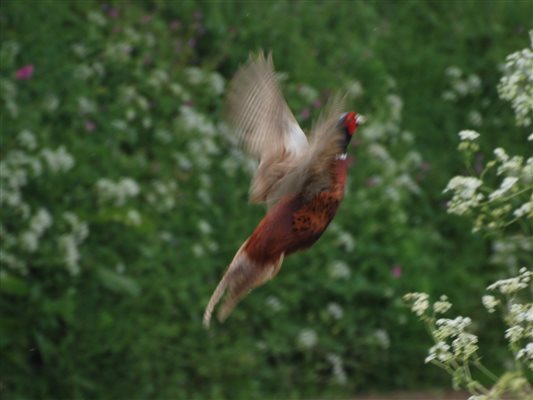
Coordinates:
[24,73]
[396,271]
[317,103]
[305,114]
[113,12]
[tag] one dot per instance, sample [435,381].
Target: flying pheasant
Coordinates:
[301,182]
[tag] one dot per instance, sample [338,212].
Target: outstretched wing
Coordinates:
[313,174]
[265,125]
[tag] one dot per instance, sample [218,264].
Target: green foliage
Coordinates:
[123,196]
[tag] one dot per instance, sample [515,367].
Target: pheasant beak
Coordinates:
[360,119]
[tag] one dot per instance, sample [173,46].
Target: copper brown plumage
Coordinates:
[301,182]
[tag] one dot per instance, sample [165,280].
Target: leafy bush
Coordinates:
[123,195]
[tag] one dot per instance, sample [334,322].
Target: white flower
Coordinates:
[339,270]
[194,75]
[506,185]
[116,193]
[308,93]
[511,167]
[526,353]
[307,339]
[382,337]
[508,286]
[468,135]
[86,105]
[29,241]
[464,194]
[442,305]
[339,373]
[59,160]
[41,221]
[451,327]
[133,218]
[27,140]
[524,209]
[490,303]
[440,351]
[420,302]
[500,154]
[274,303]
[335,310]
[354,89]
[514,333]
[516,85]
[530,138]
[475,118]
[464,186]
[198,250]
[194,121]
[217,83]
[464,345]
[453,72]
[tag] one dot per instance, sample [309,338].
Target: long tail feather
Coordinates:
[240,278]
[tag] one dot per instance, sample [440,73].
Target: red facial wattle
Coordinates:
[350,122]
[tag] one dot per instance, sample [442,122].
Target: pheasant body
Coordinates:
[302,182]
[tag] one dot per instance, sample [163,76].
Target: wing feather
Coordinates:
[314,172]
[264,125]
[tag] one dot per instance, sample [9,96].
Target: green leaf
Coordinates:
[12,285]
[118,283]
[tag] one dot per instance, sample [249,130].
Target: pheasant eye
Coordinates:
[350,122]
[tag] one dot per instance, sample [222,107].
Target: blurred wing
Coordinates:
[264,124]
[314,172]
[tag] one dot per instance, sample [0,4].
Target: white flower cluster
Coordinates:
[512,285]
[339,270]
[339,374]
[58,160]
[307,339]
[308,93]
[461,84]
[419,302]
[69,242]
[518,316]
[214,81]
[38,224]
[465,195]
[440,352]
[342,237]
[505,186]
[20,167]
[468,135]
[274,303]
[516,84]
[162,195]
[442,305]
[116,193]
[526,354]
[335,311]
[463,344]
[490,303]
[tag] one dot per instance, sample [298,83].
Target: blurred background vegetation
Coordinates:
[124,198]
